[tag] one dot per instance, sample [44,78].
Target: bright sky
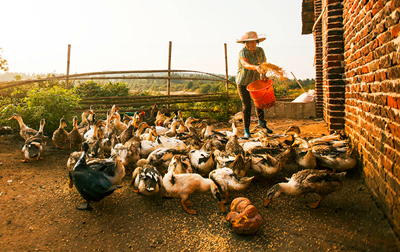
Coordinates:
[135,34]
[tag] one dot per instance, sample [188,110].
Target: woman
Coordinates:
[250,59]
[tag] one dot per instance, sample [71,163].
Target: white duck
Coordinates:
[147,180]
[227,181]
[202,160]
[34,146]
[183,185]
[321,182]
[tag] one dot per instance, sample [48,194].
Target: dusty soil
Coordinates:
[37,212]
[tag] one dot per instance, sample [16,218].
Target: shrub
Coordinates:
[88,89]
[49,103]
[115,89]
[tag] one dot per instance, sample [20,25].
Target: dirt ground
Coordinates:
[37,212]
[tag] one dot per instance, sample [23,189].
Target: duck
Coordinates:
[171,142]
[180,164]
[233,146]
[91,118]
[184,128]
[127,134]
[107,143]
[95,148]
[240,165]
[324,139]
[268,166]
[129,155]
[191,138]
[84,126]
[229,133]
[202,160]
[112,168]
[227,181]
[33,146]
[126,119]
[160,158]
[24,131]
[118,125]
[135,139]
[147,180]
[305,157]
[60,135]
[172,132]
[150,135]
[109,128]
[94,137]
[337,160]
[209,132]
[139,118]
[321,182]
[91,184]
[74,137]
[223,159]
[183,185]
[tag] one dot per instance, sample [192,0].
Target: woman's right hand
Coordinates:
[260,70]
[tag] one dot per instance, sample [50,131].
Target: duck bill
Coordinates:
[267,201]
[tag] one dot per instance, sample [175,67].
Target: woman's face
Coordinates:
[251,45]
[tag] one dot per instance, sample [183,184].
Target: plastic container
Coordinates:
[262,93]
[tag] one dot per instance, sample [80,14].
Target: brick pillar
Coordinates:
[333,64]
[319,98]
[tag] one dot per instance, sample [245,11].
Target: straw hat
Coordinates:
[251,36]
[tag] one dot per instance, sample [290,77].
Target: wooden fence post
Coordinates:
[68,61]
[169,73]
[226,76]
[226,68]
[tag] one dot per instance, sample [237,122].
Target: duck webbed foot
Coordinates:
[226,201]
[84,206]
[191,211]
[222,207]
[188,203]
[316,204]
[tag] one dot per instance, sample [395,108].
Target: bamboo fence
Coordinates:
[133,103]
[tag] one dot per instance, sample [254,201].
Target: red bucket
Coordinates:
[262,93]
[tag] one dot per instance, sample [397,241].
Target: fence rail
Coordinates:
[137,103]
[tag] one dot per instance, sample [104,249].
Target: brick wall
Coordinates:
[333,64]
[319,97]
[372,104]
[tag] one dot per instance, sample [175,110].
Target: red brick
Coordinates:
[393,102]
[387,164]
[395,31]
[380,76]
[395,130]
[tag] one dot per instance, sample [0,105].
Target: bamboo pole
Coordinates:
[191,96]
[226,68]
[7,84]
[169,71]
[298,82]
[68,62]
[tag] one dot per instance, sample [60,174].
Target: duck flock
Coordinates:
[177,157]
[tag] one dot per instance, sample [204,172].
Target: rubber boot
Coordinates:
[247,133]
[264,125]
